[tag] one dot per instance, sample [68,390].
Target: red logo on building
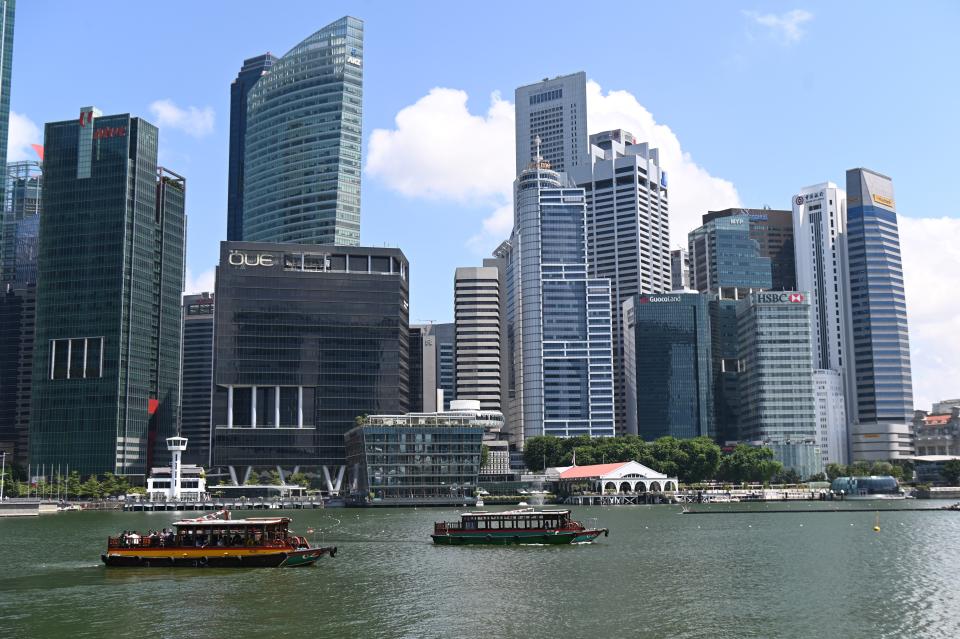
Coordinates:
[796,297]
[86,117]
[110,132]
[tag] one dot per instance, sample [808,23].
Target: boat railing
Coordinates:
[166,542]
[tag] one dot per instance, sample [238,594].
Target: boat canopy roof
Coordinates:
[523,512]
[232,523]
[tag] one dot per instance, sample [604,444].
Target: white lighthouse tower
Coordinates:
[176,446]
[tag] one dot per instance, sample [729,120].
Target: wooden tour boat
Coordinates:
[216,541]
[524,526]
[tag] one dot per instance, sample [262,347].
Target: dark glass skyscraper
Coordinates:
[197,377]
[883,402]
[20,230]
[301,174]
[7,11]
[110,274]
[250,73]
[307,339]
[667,360]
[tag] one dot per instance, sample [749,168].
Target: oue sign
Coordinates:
[237,258]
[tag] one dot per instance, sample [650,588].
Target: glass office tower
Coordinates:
[776,383]
[197,377]
[106,368]
[250,73]
[559,318]
[667,362]
[881,375]
[725,260]
[773,231]
[307,339]
[7,12]
[301,178]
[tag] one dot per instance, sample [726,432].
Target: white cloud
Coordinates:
[693,191]
[192,121]
[22,133]
[784,28]
[930,256]
[199,284]
[441,151]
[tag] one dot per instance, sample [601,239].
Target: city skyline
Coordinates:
[752,68]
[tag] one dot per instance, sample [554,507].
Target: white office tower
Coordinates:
[819,227]
[831,416]
[555,110]
[680,270]
[628,228]
[476,301]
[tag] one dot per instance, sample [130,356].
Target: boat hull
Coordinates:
[239,558]
[546,538]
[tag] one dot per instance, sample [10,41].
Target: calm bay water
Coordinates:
[659,574]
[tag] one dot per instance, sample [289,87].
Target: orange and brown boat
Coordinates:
[219,542]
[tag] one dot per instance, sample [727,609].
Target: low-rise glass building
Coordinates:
[429,458]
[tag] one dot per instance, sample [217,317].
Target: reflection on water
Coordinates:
[658,575]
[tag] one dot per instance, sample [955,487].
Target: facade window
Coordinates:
[76,358]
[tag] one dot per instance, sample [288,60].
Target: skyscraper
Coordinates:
[819,220]
[627,230]
[110,274]
[880,371]
[197,377]
[819,214]
[667,358]
[476,301]
[307,339]
[301,174]
[679,269]
[559,316]
[7,13]
[776,384]
[250,73]
[773,231]
[20,232]
[725,262]
[556,111]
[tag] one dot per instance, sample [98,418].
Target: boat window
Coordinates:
[494,524]
[470,524]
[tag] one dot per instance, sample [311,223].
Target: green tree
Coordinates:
[300,479]
[540,449]
[109,486]
[91,488]
[73,484]
[906,469]
[275,478]
[817,477]
[836,470]
[253,479]
[787,476]
[859,469]
[749,463]
[951,472]
[669,456]
[702,459]
[881,468]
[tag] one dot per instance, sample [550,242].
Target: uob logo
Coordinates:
[236,258]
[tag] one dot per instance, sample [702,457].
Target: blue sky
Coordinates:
[753,100]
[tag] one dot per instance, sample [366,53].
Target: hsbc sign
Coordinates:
[780,298]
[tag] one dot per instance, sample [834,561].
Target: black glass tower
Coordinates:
[307,338]
[105,388]
[197,377]
[667,357]
[250,72]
